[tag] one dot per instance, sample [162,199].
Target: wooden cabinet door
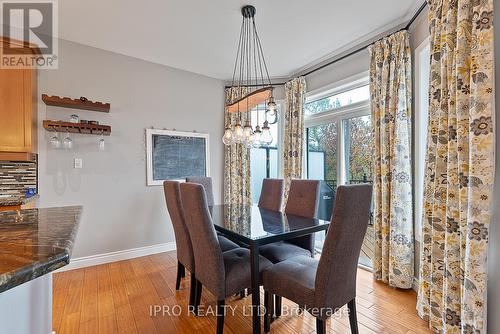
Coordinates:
[17,120]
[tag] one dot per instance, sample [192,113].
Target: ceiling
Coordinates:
[201,36]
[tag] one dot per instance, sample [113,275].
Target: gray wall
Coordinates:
[494,260]
[355,64]
[120,211]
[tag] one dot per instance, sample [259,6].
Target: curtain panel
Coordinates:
[236,158]
[459,168]
[293,137]
[390,93]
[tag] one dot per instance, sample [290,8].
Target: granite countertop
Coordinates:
[17,200]
[34,242]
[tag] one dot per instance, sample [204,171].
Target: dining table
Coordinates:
[253,227]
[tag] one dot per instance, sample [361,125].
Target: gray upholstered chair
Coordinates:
[185,257]
[271,195]
[206,182]
[302,201]
[222,273]
[329,283]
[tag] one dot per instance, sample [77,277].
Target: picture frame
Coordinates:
[175,155]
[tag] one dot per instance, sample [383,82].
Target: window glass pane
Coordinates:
[338,100]
[264,161]
[358,144]
[322,161]
[358,149]
[258,171]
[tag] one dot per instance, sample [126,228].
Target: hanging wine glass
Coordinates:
[55,142]
[101,144]
[68,142]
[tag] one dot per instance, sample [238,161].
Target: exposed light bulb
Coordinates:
[228,137]
[238,133]
[266,138]
[256,137]
[271,105]
[247,130]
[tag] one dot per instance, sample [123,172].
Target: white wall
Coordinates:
[120,211]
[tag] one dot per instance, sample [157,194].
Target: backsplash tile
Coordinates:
[16,177]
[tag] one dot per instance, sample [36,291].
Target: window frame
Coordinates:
[337,116]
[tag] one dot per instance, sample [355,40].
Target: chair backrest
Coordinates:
[207,252]
[271,195]
[206,182]
[338,265]
[176,212]
[303,198]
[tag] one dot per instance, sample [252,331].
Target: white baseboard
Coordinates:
[93,260]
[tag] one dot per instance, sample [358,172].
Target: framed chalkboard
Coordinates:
[175,155]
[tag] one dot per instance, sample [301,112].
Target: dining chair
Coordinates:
[325,285]
[302,201]
[222,273]
[271,194]
[206,182]
[185,256]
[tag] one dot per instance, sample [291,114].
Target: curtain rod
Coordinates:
[406,27]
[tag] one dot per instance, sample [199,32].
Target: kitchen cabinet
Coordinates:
[18,112]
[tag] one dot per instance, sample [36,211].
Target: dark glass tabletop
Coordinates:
[252,224]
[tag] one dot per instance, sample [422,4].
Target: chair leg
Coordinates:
[192,292]
[277,306]
[220,316]
[320,326]
[180,274]
[197,297]
[353,317]
[269,309]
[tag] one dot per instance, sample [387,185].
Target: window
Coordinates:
[339,144]
[422,70]
[264,160]
[358,149]
[338,100]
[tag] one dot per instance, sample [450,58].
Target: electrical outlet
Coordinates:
[78,163]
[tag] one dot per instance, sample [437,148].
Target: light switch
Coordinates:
[78,163]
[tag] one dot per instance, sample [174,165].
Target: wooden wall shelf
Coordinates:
[89,129]
[81,103]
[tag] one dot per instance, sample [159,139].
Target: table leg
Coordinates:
[254,254]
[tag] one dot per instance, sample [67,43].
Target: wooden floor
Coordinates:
[368,247]
[117,298]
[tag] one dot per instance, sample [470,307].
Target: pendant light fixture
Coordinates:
[250,88]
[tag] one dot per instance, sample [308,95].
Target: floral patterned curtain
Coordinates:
[236,158]
[459,167]
[390,93]
[293,142]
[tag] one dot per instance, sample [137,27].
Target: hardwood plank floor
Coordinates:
[117,298]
